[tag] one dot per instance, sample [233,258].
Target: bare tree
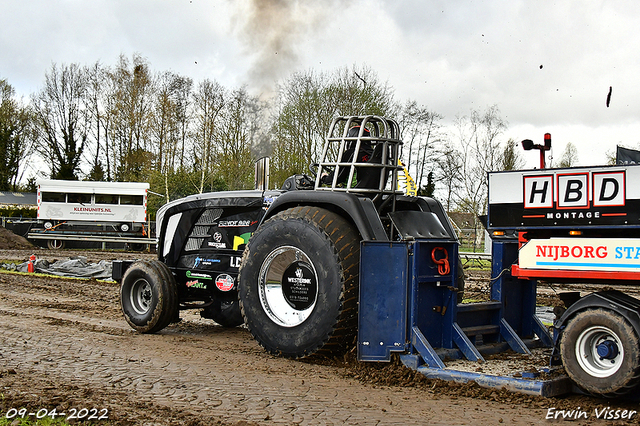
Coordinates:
[62,120]
[480,148]
[300,126]
[234,160]
[208,101]
[182,93]
[96,76]
[478,135]
[449,167]
[569,156]
[163,126]
[421,132]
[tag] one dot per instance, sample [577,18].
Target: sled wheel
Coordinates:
[55,244]
[600,351]
[299,283]
[148,296]
[224,312]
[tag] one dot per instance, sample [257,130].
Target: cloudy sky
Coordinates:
[547,65]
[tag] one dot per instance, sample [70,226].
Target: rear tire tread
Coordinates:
[346,248]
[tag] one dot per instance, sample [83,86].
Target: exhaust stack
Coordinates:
[262,174]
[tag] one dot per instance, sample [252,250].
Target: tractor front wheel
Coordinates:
[148,296]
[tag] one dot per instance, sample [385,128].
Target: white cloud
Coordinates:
[452,56]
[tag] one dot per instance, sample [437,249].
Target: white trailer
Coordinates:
[121,205]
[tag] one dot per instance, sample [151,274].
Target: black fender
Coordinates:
[613,300]
[358,210]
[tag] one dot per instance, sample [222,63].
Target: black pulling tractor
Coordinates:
[347,258]
[284,261]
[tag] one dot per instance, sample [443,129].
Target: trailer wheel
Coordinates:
[55,244]
[148,296]
[298,283]
[600,351]
[137,246]
[225,312]
[125,227]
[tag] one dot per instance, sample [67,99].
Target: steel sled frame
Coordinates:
[408,304]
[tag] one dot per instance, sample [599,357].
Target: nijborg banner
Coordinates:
[588,254]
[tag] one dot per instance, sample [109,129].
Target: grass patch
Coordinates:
[479,264]
[16,261]
[32,421]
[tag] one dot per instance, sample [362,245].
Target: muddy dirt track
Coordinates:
[64,344]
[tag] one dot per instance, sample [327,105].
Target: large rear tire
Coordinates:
[600,351]
[148,296]
[298,284]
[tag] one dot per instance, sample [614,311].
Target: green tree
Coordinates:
[15,138]
[428,189]
[234,160]
[61,120]
[306,105]
[130,115]
[511,158]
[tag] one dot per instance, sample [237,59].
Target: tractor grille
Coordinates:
[201,229]
[209,216]
[193,244]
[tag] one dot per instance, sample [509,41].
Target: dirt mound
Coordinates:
[9,240]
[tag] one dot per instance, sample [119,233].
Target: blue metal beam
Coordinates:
[542,332]
[546,388]
[424,348]
[511,337]
[462,341]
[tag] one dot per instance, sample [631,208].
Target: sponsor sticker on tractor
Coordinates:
[195,284]
[224,282]
[198,275]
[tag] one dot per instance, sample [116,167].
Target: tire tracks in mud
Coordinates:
[195,370]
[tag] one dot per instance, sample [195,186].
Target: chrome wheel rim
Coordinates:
[287,286]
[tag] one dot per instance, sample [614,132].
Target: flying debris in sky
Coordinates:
[609,96]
